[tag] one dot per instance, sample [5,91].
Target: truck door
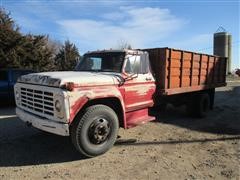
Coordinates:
[140,85]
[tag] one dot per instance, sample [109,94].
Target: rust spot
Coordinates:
[76,107]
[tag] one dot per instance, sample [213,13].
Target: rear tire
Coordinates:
[199,105]
[160,107]
[95,131]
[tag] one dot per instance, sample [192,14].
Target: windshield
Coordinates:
[102,62]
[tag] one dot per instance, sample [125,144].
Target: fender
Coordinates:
[82,95]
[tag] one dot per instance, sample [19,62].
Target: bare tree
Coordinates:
[123,44]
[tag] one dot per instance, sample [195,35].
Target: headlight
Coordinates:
[58,105]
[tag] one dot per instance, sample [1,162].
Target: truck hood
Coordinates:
[57,79]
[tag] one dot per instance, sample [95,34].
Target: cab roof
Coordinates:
[127,51]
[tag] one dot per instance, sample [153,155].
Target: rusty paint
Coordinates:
[74,109]
[80,96]
[139,93]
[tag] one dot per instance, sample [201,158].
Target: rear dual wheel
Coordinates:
[95,132]
[199,105]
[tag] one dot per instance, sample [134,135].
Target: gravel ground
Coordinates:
[172,147]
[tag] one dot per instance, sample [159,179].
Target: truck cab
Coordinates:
[107,90]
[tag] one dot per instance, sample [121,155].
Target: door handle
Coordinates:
[148,78]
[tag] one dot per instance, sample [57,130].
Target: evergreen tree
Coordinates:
[36,53]
[29,51]
[10,40]
[67,57]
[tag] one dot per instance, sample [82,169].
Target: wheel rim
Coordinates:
[99,131]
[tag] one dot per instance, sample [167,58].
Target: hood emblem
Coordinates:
[38,79]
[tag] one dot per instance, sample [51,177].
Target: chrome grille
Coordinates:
[38,101]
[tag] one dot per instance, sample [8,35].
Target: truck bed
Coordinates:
[178,71]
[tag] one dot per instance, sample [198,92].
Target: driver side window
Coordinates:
[132,65]
[137,64]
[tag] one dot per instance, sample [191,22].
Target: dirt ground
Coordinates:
[172,147]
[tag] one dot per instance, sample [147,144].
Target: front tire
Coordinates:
[95,132]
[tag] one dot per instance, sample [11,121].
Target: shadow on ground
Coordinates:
[20,146]
[133,142]
[224,119]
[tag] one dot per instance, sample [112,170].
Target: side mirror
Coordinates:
[128,68]
[131,76]
[134,75]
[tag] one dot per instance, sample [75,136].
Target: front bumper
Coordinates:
[43,124]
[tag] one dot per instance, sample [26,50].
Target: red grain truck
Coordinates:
[110,89]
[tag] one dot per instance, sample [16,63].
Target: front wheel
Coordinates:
[95,132]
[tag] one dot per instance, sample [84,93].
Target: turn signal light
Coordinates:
[69,86]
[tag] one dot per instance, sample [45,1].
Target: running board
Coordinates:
[138,117]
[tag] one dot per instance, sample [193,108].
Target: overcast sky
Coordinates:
[102,24]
